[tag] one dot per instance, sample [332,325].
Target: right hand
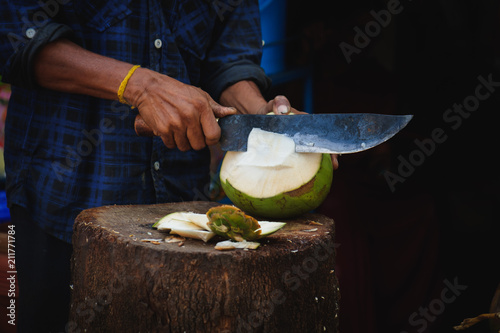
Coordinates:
[183,116]
[281,106]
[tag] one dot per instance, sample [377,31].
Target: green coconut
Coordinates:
[271,180]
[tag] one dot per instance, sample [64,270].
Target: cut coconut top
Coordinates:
[270,166]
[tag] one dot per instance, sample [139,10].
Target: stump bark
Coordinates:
[123,284]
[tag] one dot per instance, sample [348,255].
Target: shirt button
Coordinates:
[157,165]
[158,43]
[30,33]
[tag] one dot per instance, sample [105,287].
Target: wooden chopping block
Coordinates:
[123,284]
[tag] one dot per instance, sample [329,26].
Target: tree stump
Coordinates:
[123,284]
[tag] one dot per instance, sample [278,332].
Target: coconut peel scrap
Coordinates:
[232,245]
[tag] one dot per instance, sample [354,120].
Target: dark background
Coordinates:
[399,248]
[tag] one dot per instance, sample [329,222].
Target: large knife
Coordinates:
[334,133]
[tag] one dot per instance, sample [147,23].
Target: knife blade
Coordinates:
[334,133]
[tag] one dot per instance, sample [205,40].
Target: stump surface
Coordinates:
[123,284]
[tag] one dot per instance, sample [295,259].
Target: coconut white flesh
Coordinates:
[267,228]
[177,224]
[230,245]
[186,224]
[193,233]
[270,166]
[201,220]
[175,216]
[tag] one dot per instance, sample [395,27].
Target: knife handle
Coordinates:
[141,128]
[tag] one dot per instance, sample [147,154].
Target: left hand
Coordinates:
[280,105]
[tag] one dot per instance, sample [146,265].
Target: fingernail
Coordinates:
[282,109]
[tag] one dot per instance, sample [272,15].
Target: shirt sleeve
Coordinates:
[24,30]
[237,49]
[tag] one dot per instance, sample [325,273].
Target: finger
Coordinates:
[210,128]
[295,111]
[335,161]
[181,141]
[221,111]
[174,134]
[281,105]
[195,136]
[168,141]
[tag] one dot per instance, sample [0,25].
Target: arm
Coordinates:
[184,116]
[66,67]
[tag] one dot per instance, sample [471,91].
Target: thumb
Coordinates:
[221,111]
[281,105]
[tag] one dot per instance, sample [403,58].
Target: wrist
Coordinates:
[138,85]
[260,107]
[124,83]
[245,96]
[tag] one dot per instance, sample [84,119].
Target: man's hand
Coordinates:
[281,106]
[246,96]
[182,115]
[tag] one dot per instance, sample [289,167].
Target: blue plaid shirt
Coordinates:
[65,153]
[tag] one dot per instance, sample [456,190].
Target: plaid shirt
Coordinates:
[65,153]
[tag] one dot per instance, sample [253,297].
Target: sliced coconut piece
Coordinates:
[174,239]
[177,224]
[195,225]
[186,224]
[171,216]
[268,228]
[230,245]
[200,220]
[204,235]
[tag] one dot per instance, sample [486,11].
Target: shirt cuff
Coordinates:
[229,74]
[20,73]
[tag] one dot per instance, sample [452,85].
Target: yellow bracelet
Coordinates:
[124,83]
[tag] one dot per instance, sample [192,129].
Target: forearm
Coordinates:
[64,66]
[245,96]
